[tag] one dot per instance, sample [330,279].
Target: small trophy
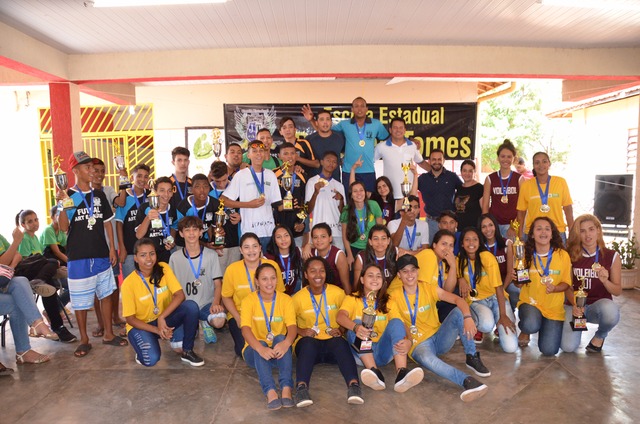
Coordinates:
[218,232]
[368,320]
[287,184]
[154,203]
[118,159]
[62,183]
[522,273]
[406,186]
[579,323]
[216,143]
[302,215]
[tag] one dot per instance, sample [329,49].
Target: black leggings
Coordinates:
[236,334]
[311,351]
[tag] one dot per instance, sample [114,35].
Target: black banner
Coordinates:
[447,126]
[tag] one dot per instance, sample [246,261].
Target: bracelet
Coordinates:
[467,316]
[355,327]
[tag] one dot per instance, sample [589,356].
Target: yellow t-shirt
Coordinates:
[427,320]
[235,284]
[252,316]
[535,293]
[427,271]
[305,312]
[353,306]
[489,277]
[137,300]
[530,202]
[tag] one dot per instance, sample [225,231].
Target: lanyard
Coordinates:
[504,187]
[362,219]
[440,274]
[165,223]
[384,265]
[259,183]
[329,178]
[186,187]
[545,269]
[544,197]
[413,313]
[196,273]
[204,209]
[472,277]
[597,253]
[84,199]
[328,253]
[154,293]
[316,307]
[364,130]
[267,320]
[216,191]
[135,197]
[249,275]
[495,248]
[287,268]
[411,239]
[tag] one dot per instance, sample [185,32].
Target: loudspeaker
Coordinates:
[613,198]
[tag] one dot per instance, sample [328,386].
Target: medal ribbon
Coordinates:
[364,130]
[504,187]
[544,197]
[411,239]
[165,223]
[495,247]
[375,304]
[84,199]
[317,307]
[326,178]
[259,183]
[413,313]
[317,254]
[196,273]
[597,253]
[384,265]
[249,275]
[186,188]
[154,293]
[545,269]
[204,209]
[362,219]
[135,197]
[441,275]
[472,277]
[286,269]
[216,191]
[267,320]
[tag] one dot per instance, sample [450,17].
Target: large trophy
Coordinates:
[287,184]
[118,160]
[62,183]
[216,142]
[218,232]
[154,203]
[368,320]
[522,273]
[579,323]
[406,186]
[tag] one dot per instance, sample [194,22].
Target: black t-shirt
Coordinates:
[205,213]
[86,241]
[467,202]
[169,219]
[180,192]
[289,218]
[321,145]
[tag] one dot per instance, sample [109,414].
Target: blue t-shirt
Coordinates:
[371,130]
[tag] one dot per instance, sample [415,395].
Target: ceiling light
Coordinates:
[595,4]
[132,3]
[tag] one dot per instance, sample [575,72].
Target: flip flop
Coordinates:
[116,341]
[4,370]
[98,332]
[82,350]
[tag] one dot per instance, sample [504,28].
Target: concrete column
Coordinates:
[65,122]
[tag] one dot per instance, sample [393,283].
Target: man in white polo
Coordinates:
[408,232]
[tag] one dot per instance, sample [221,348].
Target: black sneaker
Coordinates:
[475,363]
[473,389]
[407,379]
[354,395]
[373,378]
[65,335]
[302,396]
[191,358]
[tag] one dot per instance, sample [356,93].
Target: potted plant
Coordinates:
[628,252]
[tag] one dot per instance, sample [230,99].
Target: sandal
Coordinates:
[50,335]
[116,341]
[4,370]
[98,332]
[82,350]
[40,358]
[593,348]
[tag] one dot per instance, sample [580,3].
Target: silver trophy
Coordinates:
[154,203]
[62,183]
[118,160]
[405,186]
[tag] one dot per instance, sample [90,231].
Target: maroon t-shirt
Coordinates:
[332,259]
[501,257]
[504,212]
[594,287]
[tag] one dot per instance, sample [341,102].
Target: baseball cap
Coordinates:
[79,158]
[406,260]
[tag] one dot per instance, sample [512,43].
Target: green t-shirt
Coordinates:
[373,212]
[270,163]
[4,245]
[29,246]
[49,237]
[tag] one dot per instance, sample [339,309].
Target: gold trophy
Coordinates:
[216,143]
[579,323]
[154,203]
[62,183]
[522,273]
[302,215]
[368,320]
[218,232]
[287,184]
[406,186]
[118,160]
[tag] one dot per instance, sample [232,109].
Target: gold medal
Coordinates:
[504,199]
[545,208]
[262,195]
[596,267]
[473,293]
[362,237]
[546,279]
[361,143]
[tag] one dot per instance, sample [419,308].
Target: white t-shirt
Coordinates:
[326,207]
[392,159]
[209,271]
[422,233]
[243,188]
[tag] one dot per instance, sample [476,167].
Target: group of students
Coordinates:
[298,280]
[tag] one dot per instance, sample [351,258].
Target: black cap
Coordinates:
[406,260]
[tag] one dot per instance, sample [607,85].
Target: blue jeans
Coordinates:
[178,332]
[264,243]
[426,353]
[264,367]
[18,303]
[382,351]
[146,344]
[366,178]
[486,313]
[514,295]
[433,229]
[503,229]
[603,312]
[549,331]
[128,266]
[336,350]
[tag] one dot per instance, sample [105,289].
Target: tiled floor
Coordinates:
[109,387]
